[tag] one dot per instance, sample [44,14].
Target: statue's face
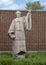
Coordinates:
[18,15]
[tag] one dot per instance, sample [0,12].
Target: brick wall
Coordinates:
[35,38]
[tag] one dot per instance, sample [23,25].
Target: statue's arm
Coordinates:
[11,31]
[28,21]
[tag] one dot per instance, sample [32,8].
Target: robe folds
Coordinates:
[17,32]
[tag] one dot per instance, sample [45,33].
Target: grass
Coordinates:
[5,55]
[37,57]
[32,58]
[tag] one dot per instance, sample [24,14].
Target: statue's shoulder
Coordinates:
[15,19]
[24,17]
[20,18]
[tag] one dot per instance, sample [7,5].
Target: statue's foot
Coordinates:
[21,56]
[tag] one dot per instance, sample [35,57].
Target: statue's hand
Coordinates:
[29,12]
[13,38]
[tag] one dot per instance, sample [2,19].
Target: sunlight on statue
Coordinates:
[17,33]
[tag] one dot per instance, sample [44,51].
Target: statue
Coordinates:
[17,33]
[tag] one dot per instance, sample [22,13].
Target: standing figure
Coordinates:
[17,33]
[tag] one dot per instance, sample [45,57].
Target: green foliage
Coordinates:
[8,61]
[32,58]
[35,5]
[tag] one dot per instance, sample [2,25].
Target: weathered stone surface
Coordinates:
[17,31]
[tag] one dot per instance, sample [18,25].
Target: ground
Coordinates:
[31,58]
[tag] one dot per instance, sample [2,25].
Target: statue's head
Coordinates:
[18,14]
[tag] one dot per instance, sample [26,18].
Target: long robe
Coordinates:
[17,32]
